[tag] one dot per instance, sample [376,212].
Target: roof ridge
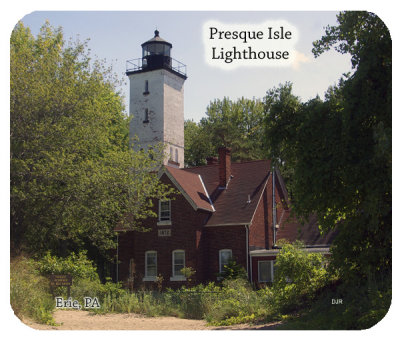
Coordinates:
[233,163]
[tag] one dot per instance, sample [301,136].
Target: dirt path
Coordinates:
[84,320]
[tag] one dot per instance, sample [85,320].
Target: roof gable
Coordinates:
[191,186]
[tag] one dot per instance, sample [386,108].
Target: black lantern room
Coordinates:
[156,53]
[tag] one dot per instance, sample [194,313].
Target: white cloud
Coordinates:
[299,58]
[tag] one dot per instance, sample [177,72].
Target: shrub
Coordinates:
[77,265]
[298,276]
[233,271]
[237,303]
[30,293]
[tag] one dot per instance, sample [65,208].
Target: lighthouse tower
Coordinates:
[156,100]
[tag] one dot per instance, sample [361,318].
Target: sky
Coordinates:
[117,37]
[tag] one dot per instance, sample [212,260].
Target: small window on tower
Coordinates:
[146,87]
[146,115]
[176,155]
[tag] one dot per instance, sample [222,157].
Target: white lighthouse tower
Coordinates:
[156,99]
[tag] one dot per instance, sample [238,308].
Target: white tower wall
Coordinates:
[165,111]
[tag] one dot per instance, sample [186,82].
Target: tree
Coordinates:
[234,124]
[198,145]
[281,114]
[73,175]
[339,150]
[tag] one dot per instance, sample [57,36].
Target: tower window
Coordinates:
[176,155]
[146,87]
[146,115]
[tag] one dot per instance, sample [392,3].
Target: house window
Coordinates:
[146,115]
[178,262]
[150,264]
[224,257]
[266,271]
[164,210]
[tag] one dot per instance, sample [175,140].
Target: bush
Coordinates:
[363,306]
[237,303]
[233,271]
[298,277]
[77,265]
[30,293]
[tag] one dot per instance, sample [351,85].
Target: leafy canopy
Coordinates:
[339,149]
[73,175]
[234,124]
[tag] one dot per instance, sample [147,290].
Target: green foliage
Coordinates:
[30,293]
[338,150]
[77,265]
[73,175]
[237,303]
[198,146]
[188,272]
[362,307]
[298,277]
[234,124]
[233,271]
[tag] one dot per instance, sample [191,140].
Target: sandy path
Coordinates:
[84,320]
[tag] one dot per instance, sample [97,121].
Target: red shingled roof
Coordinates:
[191,186]
[291,229]
[231,206]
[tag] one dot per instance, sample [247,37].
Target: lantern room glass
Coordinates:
[156,49]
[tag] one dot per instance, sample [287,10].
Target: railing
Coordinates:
[138,65]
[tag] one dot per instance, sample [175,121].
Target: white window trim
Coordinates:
[220,255]
[178,277]
[164,222]
[147,277]
[272,270]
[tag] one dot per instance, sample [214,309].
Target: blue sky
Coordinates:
[117,37]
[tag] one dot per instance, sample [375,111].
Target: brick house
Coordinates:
[224,211]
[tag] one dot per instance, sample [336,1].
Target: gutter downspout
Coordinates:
[273,207]
[117,256]
[247,250]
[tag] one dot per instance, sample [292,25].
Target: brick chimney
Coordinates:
[224,154]
[173,163]
[212,160]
